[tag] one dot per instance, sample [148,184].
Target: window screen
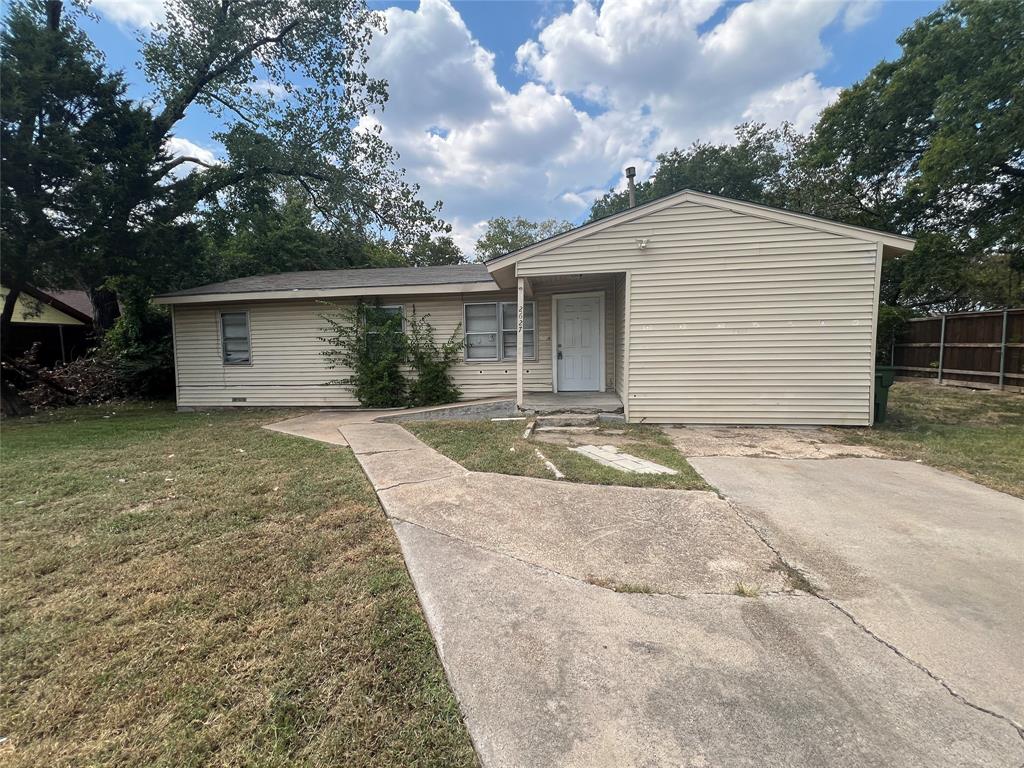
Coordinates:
[486,324]
[508,330]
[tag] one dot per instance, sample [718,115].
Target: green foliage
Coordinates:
[436,251]
[369,343]
[892,321]
[92,196]
[504,235]
[933,143]
[139,351]
[432,363]
[754,168]
[74,147]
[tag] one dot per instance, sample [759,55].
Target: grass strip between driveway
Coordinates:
[499,446]
[192,590]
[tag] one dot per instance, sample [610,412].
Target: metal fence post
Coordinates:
[942,345]
[1002,353]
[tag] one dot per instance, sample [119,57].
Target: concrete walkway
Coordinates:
[598,626]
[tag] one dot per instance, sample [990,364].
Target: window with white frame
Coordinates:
[490,330]
[234,338]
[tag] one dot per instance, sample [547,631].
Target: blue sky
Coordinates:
[533,108]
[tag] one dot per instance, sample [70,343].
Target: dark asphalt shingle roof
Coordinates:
[328,279]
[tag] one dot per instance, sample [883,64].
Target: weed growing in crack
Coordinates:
[747,590]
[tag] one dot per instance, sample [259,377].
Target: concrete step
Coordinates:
[567,420]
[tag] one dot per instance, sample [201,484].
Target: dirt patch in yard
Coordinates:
[765,442]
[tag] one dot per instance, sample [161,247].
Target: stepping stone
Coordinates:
[612,457]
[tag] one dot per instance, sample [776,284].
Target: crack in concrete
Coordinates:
[857,623]
[586,582]
[763,537]
[407,482]
[386,450]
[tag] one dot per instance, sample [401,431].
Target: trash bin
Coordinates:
[884,376]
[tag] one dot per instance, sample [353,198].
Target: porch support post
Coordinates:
[520,316]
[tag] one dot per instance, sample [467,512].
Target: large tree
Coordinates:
[287,79]
[504,235]
[933,144]
[69,142]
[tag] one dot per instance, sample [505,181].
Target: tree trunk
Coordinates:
[105,309]
[11,401]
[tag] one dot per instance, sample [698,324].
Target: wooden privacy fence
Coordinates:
[982,349]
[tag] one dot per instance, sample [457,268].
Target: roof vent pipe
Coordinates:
[630,175]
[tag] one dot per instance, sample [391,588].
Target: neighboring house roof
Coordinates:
[51,307]
[78,300]
[465,278]
[892,241]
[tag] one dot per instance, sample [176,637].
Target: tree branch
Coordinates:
[175,108]
[166,167]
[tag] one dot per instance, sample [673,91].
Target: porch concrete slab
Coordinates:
[667,541]
[553,672]
[928,561]
[572,402]
[376,437]
[388,469]
[610,456]
[768,442]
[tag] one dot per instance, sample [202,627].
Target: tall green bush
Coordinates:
[432,363]
[369,342]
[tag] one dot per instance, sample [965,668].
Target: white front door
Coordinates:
[578,353]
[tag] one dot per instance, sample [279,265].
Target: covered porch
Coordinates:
[571,326]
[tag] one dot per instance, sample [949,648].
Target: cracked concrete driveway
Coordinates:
[932,563]
[551,669]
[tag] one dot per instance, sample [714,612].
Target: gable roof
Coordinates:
[340,282]
[897,242]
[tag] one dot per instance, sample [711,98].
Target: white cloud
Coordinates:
[798,101]
[859,13]
[132,13]
[605,87]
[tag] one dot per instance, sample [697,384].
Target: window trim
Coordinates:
[248,336]
[499,333]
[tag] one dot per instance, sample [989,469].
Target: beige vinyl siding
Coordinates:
[288,369]
[736,319]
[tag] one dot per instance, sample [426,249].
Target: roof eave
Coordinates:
[325,293]
[897,242]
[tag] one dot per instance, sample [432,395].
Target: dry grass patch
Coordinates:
[191,590]
[978,434]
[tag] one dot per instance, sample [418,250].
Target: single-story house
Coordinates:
[692,309]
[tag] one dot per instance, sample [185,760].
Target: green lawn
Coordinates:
[975,433]
[192,590]
[498,446]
